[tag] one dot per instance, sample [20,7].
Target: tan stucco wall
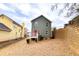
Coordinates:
[61,33]
[9,35]
[6,36]
[73,38]
[70,35]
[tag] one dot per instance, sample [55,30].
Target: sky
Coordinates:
[25,12]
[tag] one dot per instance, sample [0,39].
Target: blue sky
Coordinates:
[25,12]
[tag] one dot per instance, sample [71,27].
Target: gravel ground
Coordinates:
[50,47]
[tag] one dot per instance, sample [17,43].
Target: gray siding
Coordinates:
[42,25]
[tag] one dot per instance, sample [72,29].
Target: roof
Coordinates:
[76,17]
[4,28]
[11,20]
[39,17]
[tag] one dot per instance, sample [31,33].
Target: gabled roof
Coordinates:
[4,28]
[11,20]
[39,17]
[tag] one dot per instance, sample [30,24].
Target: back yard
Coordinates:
[48,47]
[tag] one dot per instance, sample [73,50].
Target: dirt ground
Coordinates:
[50,47]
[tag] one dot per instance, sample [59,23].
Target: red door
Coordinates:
[34,33]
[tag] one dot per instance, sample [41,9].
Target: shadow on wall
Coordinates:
[9,42]
[61,33]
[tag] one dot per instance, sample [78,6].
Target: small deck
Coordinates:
[29,39]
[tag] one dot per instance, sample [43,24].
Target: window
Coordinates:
[19,30]
[16,33]
[36,23]
[2,17]
[46,24]
[46,32]
[14,26]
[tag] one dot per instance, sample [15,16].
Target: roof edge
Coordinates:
[11,20]
[39,17]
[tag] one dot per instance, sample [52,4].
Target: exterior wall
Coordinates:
[40,26]
[73,35]
[6,21]
[16,31]
[23,30]
[73,38]
[61,33]
[70,35]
